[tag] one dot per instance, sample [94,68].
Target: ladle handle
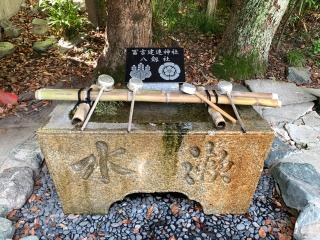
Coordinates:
[131,111]
[236,113]
[215,107]
[92,109]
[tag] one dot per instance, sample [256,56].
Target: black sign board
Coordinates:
[155,64]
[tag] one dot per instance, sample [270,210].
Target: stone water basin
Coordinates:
[172,148]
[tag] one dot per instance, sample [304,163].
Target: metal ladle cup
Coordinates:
[106,83]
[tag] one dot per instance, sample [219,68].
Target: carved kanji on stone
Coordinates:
[213,163]
[86,166]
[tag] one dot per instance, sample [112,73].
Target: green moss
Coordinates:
[239,67]
[172,138]
[118,74]
[110,108]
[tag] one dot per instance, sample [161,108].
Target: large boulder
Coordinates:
[285,114]
[279,150]
[288,93]
[303,135]
[9,8]
[299,75]
[311,119]
[27,154]
[6,229]
[299,183]
[16,185]
[307,226]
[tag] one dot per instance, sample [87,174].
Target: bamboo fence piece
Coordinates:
[151,96]
[81,113]
[217,118]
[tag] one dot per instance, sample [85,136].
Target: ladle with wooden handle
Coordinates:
[192,90]
[226,88]
[106,83]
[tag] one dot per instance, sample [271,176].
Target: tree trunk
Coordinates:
[96,10]
[129,24]
[248,37]
[211,7]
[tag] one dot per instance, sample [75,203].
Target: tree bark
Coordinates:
[96,10]
[129,24]
[252,28]
[211,7]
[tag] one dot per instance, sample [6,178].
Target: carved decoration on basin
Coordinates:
[103,161]
[214,162]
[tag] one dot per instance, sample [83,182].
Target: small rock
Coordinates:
[6,48]
[16,185]
[262,233]
[43,46]
[39,26]
[241,227]
[65,45]
[30,238]
[26,96]
[6,228]
[299,75]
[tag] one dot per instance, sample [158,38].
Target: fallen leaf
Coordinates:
[34,209]
[126,221]
[61,225]
[149,212]
[175,209]
[11,214]
[268,221]
[196,219]
[32,232]
[32,198]
[278,204]
[262,233]
[26,229]
[283,237]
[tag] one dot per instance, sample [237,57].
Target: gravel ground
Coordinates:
[152,216]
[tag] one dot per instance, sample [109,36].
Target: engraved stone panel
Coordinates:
[103,164]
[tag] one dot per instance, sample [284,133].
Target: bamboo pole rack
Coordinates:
[240,98]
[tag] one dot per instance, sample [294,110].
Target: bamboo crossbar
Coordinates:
[124,95]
